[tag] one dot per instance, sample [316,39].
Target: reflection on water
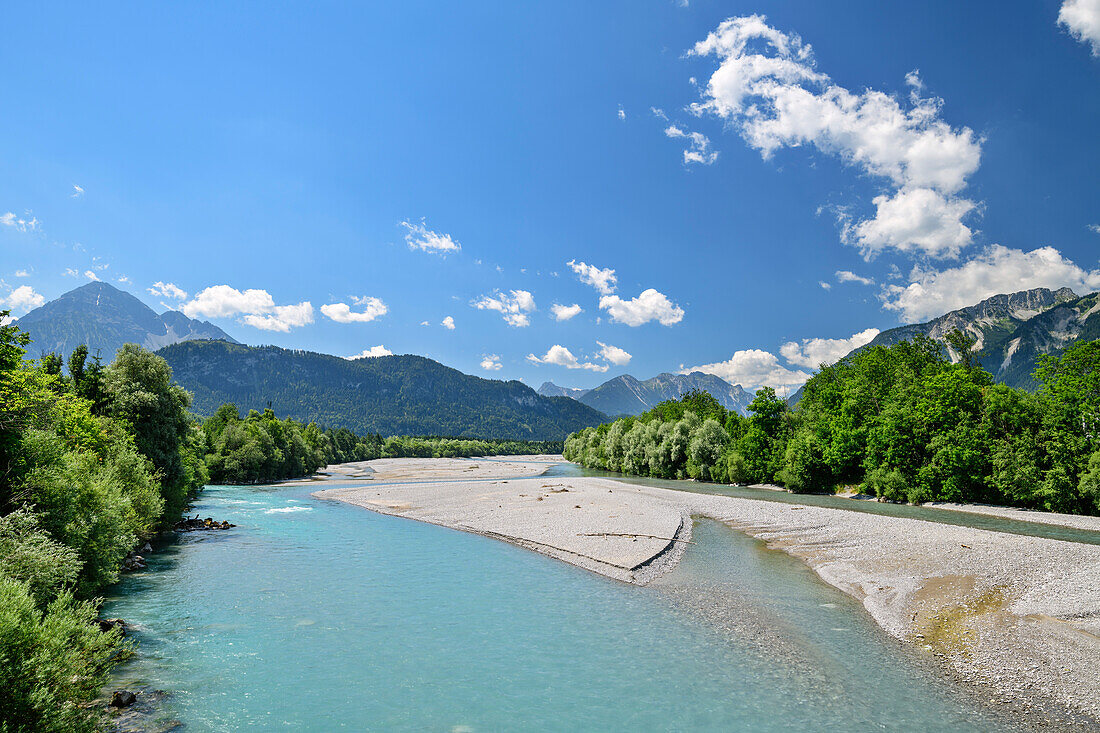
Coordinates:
[339,618]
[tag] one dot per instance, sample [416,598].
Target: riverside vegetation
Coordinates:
[94,463]
[901,422]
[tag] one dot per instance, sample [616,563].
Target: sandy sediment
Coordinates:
[1015,615]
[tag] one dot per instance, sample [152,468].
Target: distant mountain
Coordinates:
[392,395]
[627,395]
[105,318]
[1013,329]
[549,389]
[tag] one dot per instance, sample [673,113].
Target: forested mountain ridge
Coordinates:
[104,318]
[627,395]
[391,395]
[1011,330]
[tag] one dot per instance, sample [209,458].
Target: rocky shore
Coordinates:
[1015,616]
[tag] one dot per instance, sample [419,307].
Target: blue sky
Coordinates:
[368,170]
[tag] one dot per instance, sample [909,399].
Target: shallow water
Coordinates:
[316,615]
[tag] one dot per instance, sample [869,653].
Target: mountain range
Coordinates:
[392,395]
[627,395]
[104,318]
[1012,330]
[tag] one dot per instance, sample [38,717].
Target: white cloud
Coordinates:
[491,362]
[21,300]
[917,220]
[752,369]
[448,323]
[222,301]
[18,222]
[78,191]
[342,313]
[659,113]
[124,279]
[70,272]
[1082,19]
[622,113]
[91,275]
[614,354]
[420,237]
[565,312]
[425,323]
[284,317]
[767,86]
[514,307]
[1094,228]
[561,356]
[167,290]
[998,269]
[373,351]
[847,276]
[817,351]
[824,285]
[649,306]
[700,151]
[603,280]
[256,306]
[22,273]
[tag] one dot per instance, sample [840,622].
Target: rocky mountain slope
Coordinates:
[104,317]
[627,395]
[1013,329]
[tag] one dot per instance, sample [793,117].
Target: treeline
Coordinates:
[901,422]
[261,448]
[91,464]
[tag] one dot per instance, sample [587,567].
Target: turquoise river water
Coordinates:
[314,615]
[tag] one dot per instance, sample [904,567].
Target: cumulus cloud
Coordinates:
[78,191]
[565,312]
[448,323]
[1082,19]
[814,352]
[561,356]
[998,269]
[514,307]
[167,290]
[283,318]
[603,280]
[491,362]
[342,313]
[824,285]
[22,273]
[614,354]
[649,306]
[25,223]
[847,276]
[372,352]
[622,113]
[766,85]
[91,275]
[752,369]
[419,236]
[256,307]
[21,300]
[917,220]
[700,151]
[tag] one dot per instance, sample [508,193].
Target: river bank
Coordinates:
[1016,616]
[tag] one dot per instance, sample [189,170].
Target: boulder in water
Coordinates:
[123,699]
